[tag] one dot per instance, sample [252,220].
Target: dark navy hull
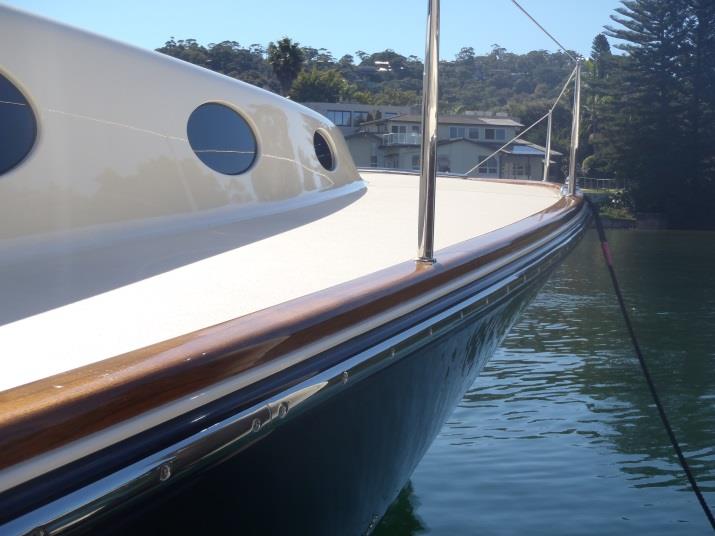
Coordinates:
[334,470]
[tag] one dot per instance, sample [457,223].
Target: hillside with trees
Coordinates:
[648,109]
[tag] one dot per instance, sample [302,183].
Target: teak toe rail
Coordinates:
[50,413]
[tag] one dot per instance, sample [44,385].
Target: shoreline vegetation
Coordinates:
[614,206]
[648,110]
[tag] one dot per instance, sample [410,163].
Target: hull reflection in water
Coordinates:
[336,469]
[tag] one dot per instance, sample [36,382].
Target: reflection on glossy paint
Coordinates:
[117,152]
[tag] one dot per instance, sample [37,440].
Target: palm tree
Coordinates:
[286,59]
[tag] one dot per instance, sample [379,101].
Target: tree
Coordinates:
[319,86]
[325,58]
[698,78]
[465,54]
[286,58]
[347,61]
[361,54]
[186,49]
[595,91]
[397,97]
[600,56]
[644,124]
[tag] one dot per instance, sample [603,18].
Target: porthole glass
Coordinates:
[221,138]
[18,127]
[323,152]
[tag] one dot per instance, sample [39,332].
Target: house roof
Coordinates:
[528,148]
[442,142]
[472,120]
[473,142]
[517,147]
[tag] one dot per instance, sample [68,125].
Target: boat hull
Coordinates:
[337,468]
[337,464]
[322,447]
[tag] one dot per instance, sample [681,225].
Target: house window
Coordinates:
[522,170]
[494,134]
[443,163]
[359,118]
[415,161]
[416,128]
[399,129]
[391,162]
[339,117]
[456,132]
[489,167]
[474,133]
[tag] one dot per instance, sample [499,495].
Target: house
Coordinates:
[349,116]
[464,144]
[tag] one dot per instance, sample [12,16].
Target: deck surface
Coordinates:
[375,231]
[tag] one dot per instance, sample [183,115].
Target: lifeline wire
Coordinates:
[557,98]
[573,73]
[566,86]
[507,143]
[543,29]
[649,380]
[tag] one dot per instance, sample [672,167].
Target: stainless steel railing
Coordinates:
[428,171]
[575,128]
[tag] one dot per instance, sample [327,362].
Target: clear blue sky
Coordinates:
[341,26]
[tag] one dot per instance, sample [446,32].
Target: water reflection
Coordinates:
[401,518]
[560,425]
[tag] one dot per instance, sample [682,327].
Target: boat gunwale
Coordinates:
[114,488]
[103,394]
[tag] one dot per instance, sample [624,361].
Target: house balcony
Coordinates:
[402,138]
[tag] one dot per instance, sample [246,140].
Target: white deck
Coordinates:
[374,232]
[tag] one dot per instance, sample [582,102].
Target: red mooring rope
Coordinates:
[649,380]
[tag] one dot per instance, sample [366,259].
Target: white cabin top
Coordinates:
[155,198]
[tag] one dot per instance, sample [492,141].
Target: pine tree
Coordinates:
[645,120]
[601,56]
[595,94]
[699,80]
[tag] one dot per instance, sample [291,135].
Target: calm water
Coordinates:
[558,435]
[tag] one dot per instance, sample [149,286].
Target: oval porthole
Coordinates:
[18,126]
[221,138]
[323,151]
